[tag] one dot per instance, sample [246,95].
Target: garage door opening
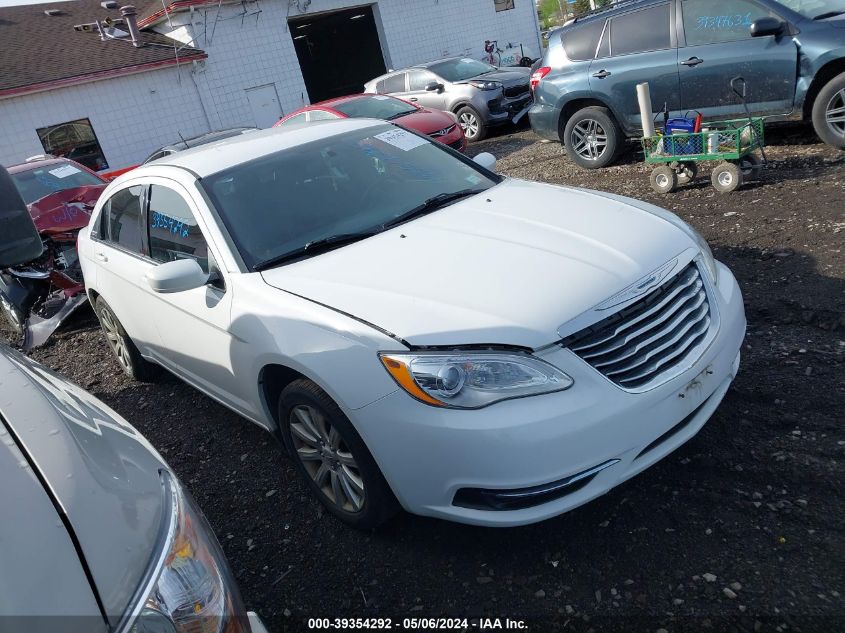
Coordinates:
[338,52]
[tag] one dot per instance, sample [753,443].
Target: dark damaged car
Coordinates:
[38,295]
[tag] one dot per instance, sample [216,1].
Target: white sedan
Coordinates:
[419,331]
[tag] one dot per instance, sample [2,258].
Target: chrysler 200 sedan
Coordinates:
[420,331]
[97,533]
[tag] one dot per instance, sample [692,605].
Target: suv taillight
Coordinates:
[538,75]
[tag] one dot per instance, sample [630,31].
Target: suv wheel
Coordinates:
[127,354]
[473,126]
[829,112]
[332,457]
[592,137]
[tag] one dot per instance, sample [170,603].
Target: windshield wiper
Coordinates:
[313,248]
[399,115]
[829,14]
[431,204]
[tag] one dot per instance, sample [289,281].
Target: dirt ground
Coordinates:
[743,528]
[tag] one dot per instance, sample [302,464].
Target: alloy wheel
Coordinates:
[589,139]
[835,113]
[469,123]
[115,338]
[326,458]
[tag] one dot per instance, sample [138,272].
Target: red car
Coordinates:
[60,195]
[440,126]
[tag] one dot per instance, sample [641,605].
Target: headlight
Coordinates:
[191,588]
[472,380]
[485,85]
[706,253]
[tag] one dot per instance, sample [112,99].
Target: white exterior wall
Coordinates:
[131,115]
[246,51]
[255,48]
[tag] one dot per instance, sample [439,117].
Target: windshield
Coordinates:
[813,9]
[34,184]
[375,107]
[356,182]
[460,69]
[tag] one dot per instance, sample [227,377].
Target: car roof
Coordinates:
[208,137]
[602,12]
[214,157]
[329,102]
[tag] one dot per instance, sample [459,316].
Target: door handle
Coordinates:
[692,61]
[602,74]
[102,257]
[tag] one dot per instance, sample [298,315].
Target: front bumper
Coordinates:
[428,455]
[502,109]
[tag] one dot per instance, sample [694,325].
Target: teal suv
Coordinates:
[790,52]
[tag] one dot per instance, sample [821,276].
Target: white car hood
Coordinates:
[507,267]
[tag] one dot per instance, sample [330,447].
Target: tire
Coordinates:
[337,467]
[726,177]
[829,112]
[592,138]
[751,167]
[125,351]
[687,171]
[664,179]
[474,127]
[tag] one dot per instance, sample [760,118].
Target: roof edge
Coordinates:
[175,7]
[91,77]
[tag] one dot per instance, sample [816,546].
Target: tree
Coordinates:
[581,7]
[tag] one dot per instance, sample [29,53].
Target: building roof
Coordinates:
[41,52]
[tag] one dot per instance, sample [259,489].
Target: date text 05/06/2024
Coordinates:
[417,624]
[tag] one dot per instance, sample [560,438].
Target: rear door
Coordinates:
[637,46]
[717,46]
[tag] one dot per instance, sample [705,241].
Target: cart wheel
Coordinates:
[751,167]
[726,177]
[664,179]
[687,171]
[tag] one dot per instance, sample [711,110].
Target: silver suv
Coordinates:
[480,95]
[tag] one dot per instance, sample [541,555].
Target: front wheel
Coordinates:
[664,179]
[332,457]
[471,123]
[726,177]
[592,138]
[829,112]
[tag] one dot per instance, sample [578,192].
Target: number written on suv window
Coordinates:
[174,233]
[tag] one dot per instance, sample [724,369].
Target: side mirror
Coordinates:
[762,27]
[434,86]
[176,276]
[486,160]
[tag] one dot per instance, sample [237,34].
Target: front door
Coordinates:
[719,47]
[264,103]
[637,47]
[193,324]
[417,81]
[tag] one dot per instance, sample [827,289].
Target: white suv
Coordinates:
[419,330]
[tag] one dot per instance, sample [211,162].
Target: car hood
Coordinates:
[66,210]
[506,267]
[426,121]
[510,77]
[102,473]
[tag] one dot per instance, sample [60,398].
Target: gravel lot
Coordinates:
[740,529]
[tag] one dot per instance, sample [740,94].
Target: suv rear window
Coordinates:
[640,31]
[580,42]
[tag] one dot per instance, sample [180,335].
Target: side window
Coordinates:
[123,223]
[299,118]
[419,79]
[394,83]
[640,31]
[174,233]
[716,21]
[321,115]
[580,43]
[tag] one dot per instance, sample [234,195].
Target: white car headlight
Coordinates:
[191,588]
[471,380]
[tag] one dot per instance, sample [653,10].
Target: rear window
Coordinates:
[580,42]
[640,31]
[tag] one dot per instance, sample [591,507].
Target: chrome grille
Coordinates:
[443,132]
[648,338]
